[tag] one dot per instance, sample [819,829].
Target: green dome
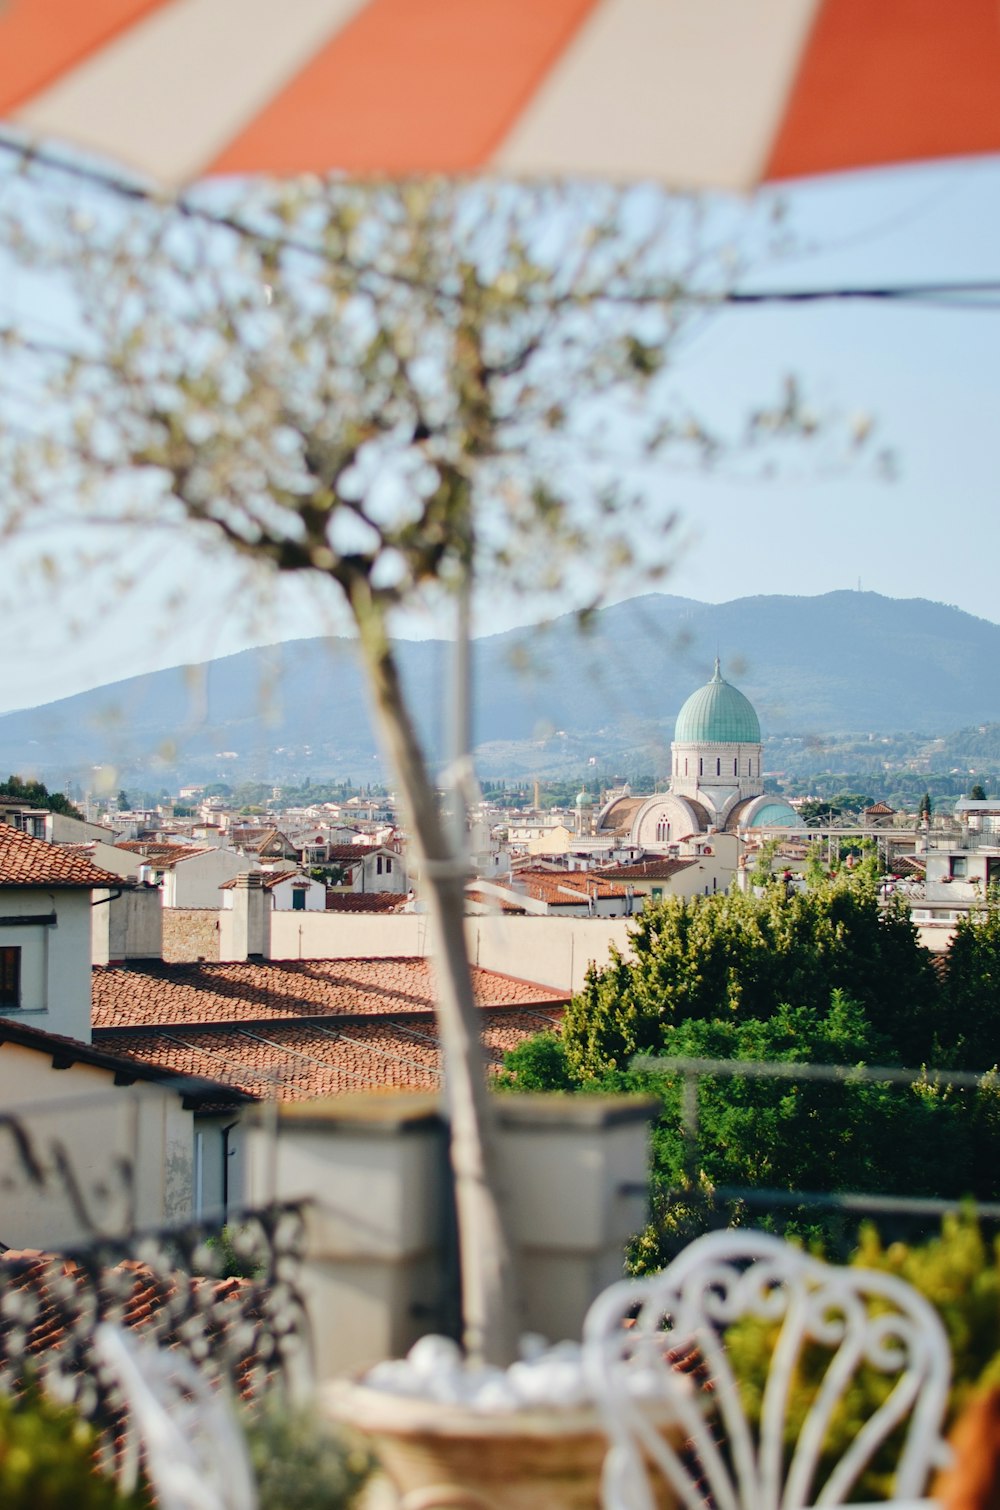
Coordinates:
[775,815]
[717,714]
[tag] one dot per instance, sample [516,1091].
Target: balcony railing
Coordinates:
[905,1213]
[228,1299]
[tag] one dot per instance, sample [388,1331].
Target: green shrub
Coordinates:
[234,1253]
[302,1462]
[47,1459]
[959,1273]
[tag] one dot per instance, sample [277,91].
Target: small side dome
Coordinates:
[584,799]
[717,713]
[764,812]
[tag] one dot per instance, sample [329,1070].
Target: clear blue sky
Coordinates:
[930,378]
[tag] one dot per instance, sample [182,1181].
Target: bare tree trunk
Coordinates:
[490,1304]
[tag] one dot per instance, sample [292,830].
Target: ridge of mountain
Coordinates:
[842,662]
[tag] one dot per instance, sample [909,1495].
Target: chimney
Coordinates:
[128,924]
[251,935]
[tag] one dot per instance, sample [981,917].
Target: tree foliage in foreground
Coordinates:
[824,977]
[958,1271]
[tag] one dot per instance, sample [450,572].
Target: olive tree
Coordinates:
[385,388]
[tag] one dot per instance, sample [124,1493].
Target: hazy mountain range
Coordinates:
[545,700]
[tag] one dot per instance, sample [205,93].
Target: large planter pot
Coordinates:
[447,1457]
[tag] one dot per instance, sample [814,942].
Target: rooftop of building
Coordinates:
[25,861]
[199,1093]
[323,1055]
[656,869]
[151,993]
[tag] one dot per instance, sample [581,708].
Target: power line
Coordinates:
[981,293]
[978,294]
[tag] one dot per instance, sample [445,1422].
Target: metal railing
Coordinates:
[861,1203]
[228,1298]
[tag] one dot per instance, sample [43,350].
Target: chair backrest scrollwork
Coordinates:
[194,1450]
[861,1319]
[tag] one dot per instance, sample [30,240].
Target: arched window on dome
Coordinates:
[701,766]
[662,830]
[718,765]
[735,767]
[685,765]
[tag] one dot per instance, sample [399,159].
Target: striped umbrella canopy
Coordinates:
[692,93]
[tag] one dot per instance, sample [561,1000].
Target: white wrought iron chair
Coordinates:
[863,1318]
[195,1452]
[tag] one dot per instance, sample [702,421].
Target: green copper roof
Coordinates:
[717,714]
[775,814]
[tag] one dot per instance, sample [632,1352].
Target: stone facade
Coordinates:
[190,934]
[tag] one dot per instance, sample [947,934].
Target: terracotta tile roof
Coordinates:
[647,870]
[201,1094]
[349,852]
[257,839]
[299,1061]
[150,993]
[879,810]
[32,1271]
[909,863]
[176,854]
[151,848]
[513,908]
[25,861]
[364,901]
[164,856]
[555,887]
[269,879]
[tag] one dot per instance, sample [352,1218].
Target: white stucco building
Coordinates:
[288,890]
[46,898]
[116,1143]
[191,877]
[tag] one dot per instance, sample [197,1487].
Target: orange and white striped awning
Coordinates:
[689,92]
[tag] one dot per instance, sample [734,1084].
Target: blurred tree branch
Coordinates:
[465,380]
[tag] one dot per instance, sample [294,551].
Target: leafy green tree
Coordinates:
[816,871]
[977,794]
[818,813]
[810,1135]
[789,1135]
[969,1022]
[739,956]
[852,802]
[35,794]
[538,1064]
[763,872]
